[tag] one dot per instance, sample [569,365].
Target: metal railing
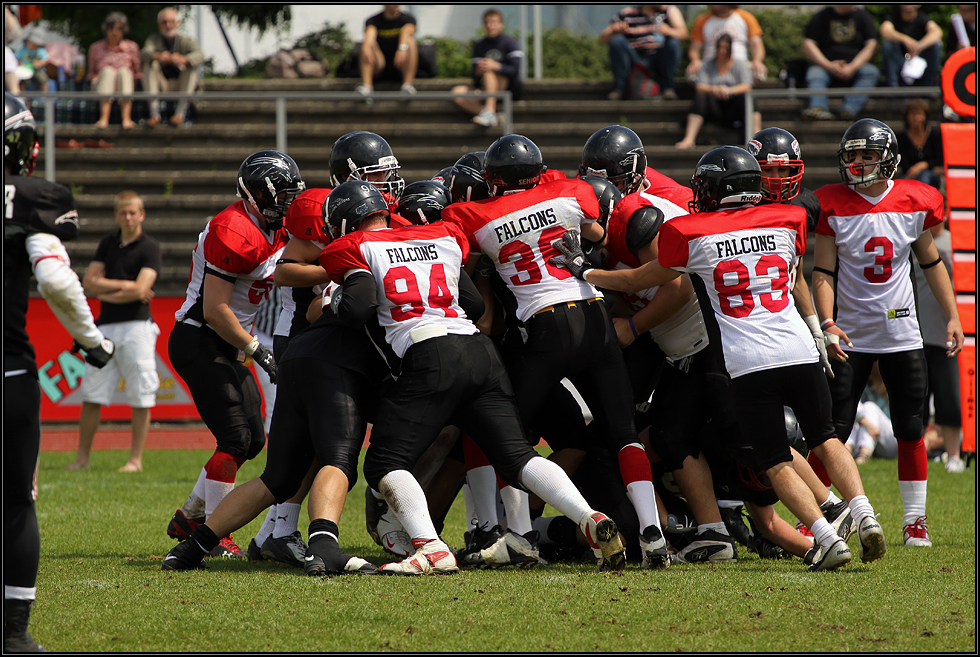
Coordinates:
[901,92]
[281,98]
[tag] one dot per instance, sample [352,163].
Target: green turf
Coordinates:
[100,587]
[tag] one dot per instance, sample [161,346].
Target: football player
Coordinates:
[868,225]
[741,258]
[231,273]
[448,373]
[38,216]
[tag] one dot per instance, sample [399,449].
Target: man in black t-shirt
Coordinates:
[122,274]
[909,33]
[389,50]
[840,41]
[496,67]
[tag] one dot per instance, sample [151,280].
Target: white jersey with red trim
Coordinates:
[417,271]
[233,245]
[875,299]
[516,231]
[744,261]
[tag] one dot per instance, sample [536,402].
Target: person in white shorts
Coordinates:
[121,276]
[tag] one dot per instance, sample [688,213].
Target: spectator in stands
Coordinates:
[920,146]
[840,41]
[907,34]
[34,56]
[170,62]
[389,50]
[11,83]
[114,67]
[719,94]
[962,32]
[740,25]
[645,34]
[122,275]
[496,67]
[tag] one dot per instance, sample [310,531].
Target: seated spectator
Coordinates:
[11,83]
[34,56]
[114,67]
[910,33]
[737,23]
[170,62]
[719,94]
[873,434]
[962,32]
[645,34]
[389,50]
[496,67]
[920,146]
[840,41]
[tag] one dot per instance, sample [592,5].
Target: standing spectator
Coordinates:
[720,87]
[34,56]
[114,66]
[910,33]
[389,50]
[943,373]
[962,32]
[645,34]
[840,41]
[122,274]
[920,146]
[170,62]
[496,67]
[737,23]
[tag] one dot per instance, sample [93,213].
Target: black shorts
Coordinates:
[224,390]
[943,386]
[321,411]
[21,444]
[453,379]
[905,379]
[759,398]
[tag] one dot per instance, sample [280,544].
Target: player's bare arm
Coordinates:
[297,267]
[218,313]
[938,279]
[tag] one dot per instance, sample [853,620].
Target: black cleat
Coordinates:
[735,524]
[187,555]
[478,540]
[290,550]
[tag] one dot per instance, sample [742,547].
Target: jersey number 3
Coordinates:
[440,296]
[740,286]
[884,252]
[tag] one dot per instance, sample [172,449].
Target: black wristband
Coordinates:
[825,271]
[931,264]
[285,261]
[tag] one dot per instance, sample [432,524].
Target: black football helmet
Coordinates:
[366,156]
[467,184]
[349,204]
[616,154]
[776,148]
[268,181]
[870,135]
[512,163]
[20,144]
[422,202]
[473,160]
[727,174]
[607,194]
[444,176]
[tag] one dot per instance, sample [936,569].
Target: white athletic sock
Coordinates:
[914,499]
[549,482]
[823,532]
[860,507]
[265,531]
[518,509]
[645,502]
[717,526]
[19,592]
[729,504]
[287,519]
[483,487]
[472,520]
[214,492]
[194,506]
[831,499]
[407,501]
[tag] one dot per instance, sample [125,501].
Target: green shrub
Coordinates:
[454,58]
[568,55]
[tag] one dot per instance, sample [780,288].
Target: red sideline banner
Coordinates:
[60,372]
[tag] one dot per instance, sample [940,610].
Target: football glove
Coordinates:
[572,258]
[820,339]
[98,355]
[263,357]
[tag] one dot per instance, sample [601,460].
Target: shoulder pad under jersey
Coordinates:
[43,206]
[642,227]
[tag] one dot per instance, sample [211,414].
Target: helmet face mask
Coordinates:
[513,163]
[349,204]
[268,182]
[616,154]
[778,155]
[367,157]
[20,143]
[868,135]
[726,175]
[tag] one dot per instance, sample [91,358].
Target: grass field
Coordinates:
[100,587]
